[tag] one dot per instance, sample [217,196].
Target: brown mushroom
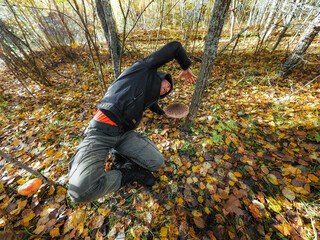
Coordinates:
[176,110]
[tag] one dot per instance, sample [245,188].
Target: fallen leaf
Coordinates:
[232,205]
[288,193]
[200,223]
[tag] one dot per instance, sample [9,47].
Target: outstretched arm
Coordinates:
[187,75]
[167,53]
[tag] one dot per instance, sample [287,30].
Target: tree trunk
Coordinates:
[110,31]
[307,37]
[286,21]
[210,53]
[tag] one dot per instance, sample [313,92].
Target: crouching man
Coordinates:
[111,129]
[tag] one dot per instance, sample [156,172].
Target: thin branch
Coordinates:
[234,38]
[26,167]
[288,97]
[135,23]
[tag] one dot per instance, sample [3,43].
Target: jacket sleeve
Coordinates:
[167,53]
[155,108]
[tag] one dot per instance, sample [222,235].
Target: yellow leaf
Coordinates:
[313,178]
[207,210]
[301,190]
[61,191]
[226,157]
[195,169]
[21,181]
[51,190]
[164,178]
[274,205]
[61,194]
[231,235]
[196,213]
[179,200]
[73,45]
[209,179]
[273,179]
[30,215]
[232,177]
[104,211]
[217,197]
[54,232]
[200,199]
[27,215]
[163,232]
[201,159]
[231,183]
[237,174]
[290,170]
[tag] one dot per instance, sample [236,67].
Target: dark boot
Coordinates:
[118,159]
[132,172]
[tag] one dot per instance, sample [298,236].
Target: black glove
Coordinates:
[155,108]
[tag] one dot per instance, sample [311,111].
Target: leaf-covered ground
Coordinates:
[249,168]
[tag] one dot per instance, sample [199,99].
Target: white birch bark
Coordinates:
[304,42]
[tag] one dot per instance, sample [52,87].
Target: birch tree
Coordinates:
[210,53]
[110,31]
[304,42]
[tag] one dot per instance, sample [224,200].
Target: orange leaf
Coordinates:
[260,154]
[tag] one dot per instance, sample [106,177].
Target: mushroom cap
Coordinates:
[176,110]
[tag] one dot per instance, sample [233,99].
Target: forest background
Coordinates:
[245,165]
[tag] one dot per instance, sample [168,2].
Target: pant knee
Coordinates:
[157,164]
[76,197]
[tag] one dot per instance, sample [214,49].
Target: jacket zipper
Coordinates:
[134,99]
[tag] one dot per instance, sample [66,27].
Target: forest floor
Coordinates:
[248,168]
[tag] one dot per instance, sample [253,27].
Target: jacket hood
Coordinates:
[167,76]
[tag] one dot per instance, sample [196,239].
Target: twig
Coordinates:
[234,38]
[25,167]
[225,47]
[314,229]
[288,97]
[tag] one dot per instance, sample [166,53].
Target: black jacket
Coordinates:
[138,87]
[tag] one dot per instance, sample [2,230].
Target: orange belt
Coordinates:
[103,118]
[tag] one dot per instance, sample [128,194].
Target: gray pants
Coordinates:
[88,179]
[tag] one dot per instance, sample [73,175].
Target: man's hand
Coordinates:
[187,75]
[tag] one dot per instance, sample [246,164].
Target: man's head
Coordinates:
[165,87]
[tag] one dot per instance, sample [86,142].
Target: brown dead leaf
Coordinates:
[200,223]
[232,205]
